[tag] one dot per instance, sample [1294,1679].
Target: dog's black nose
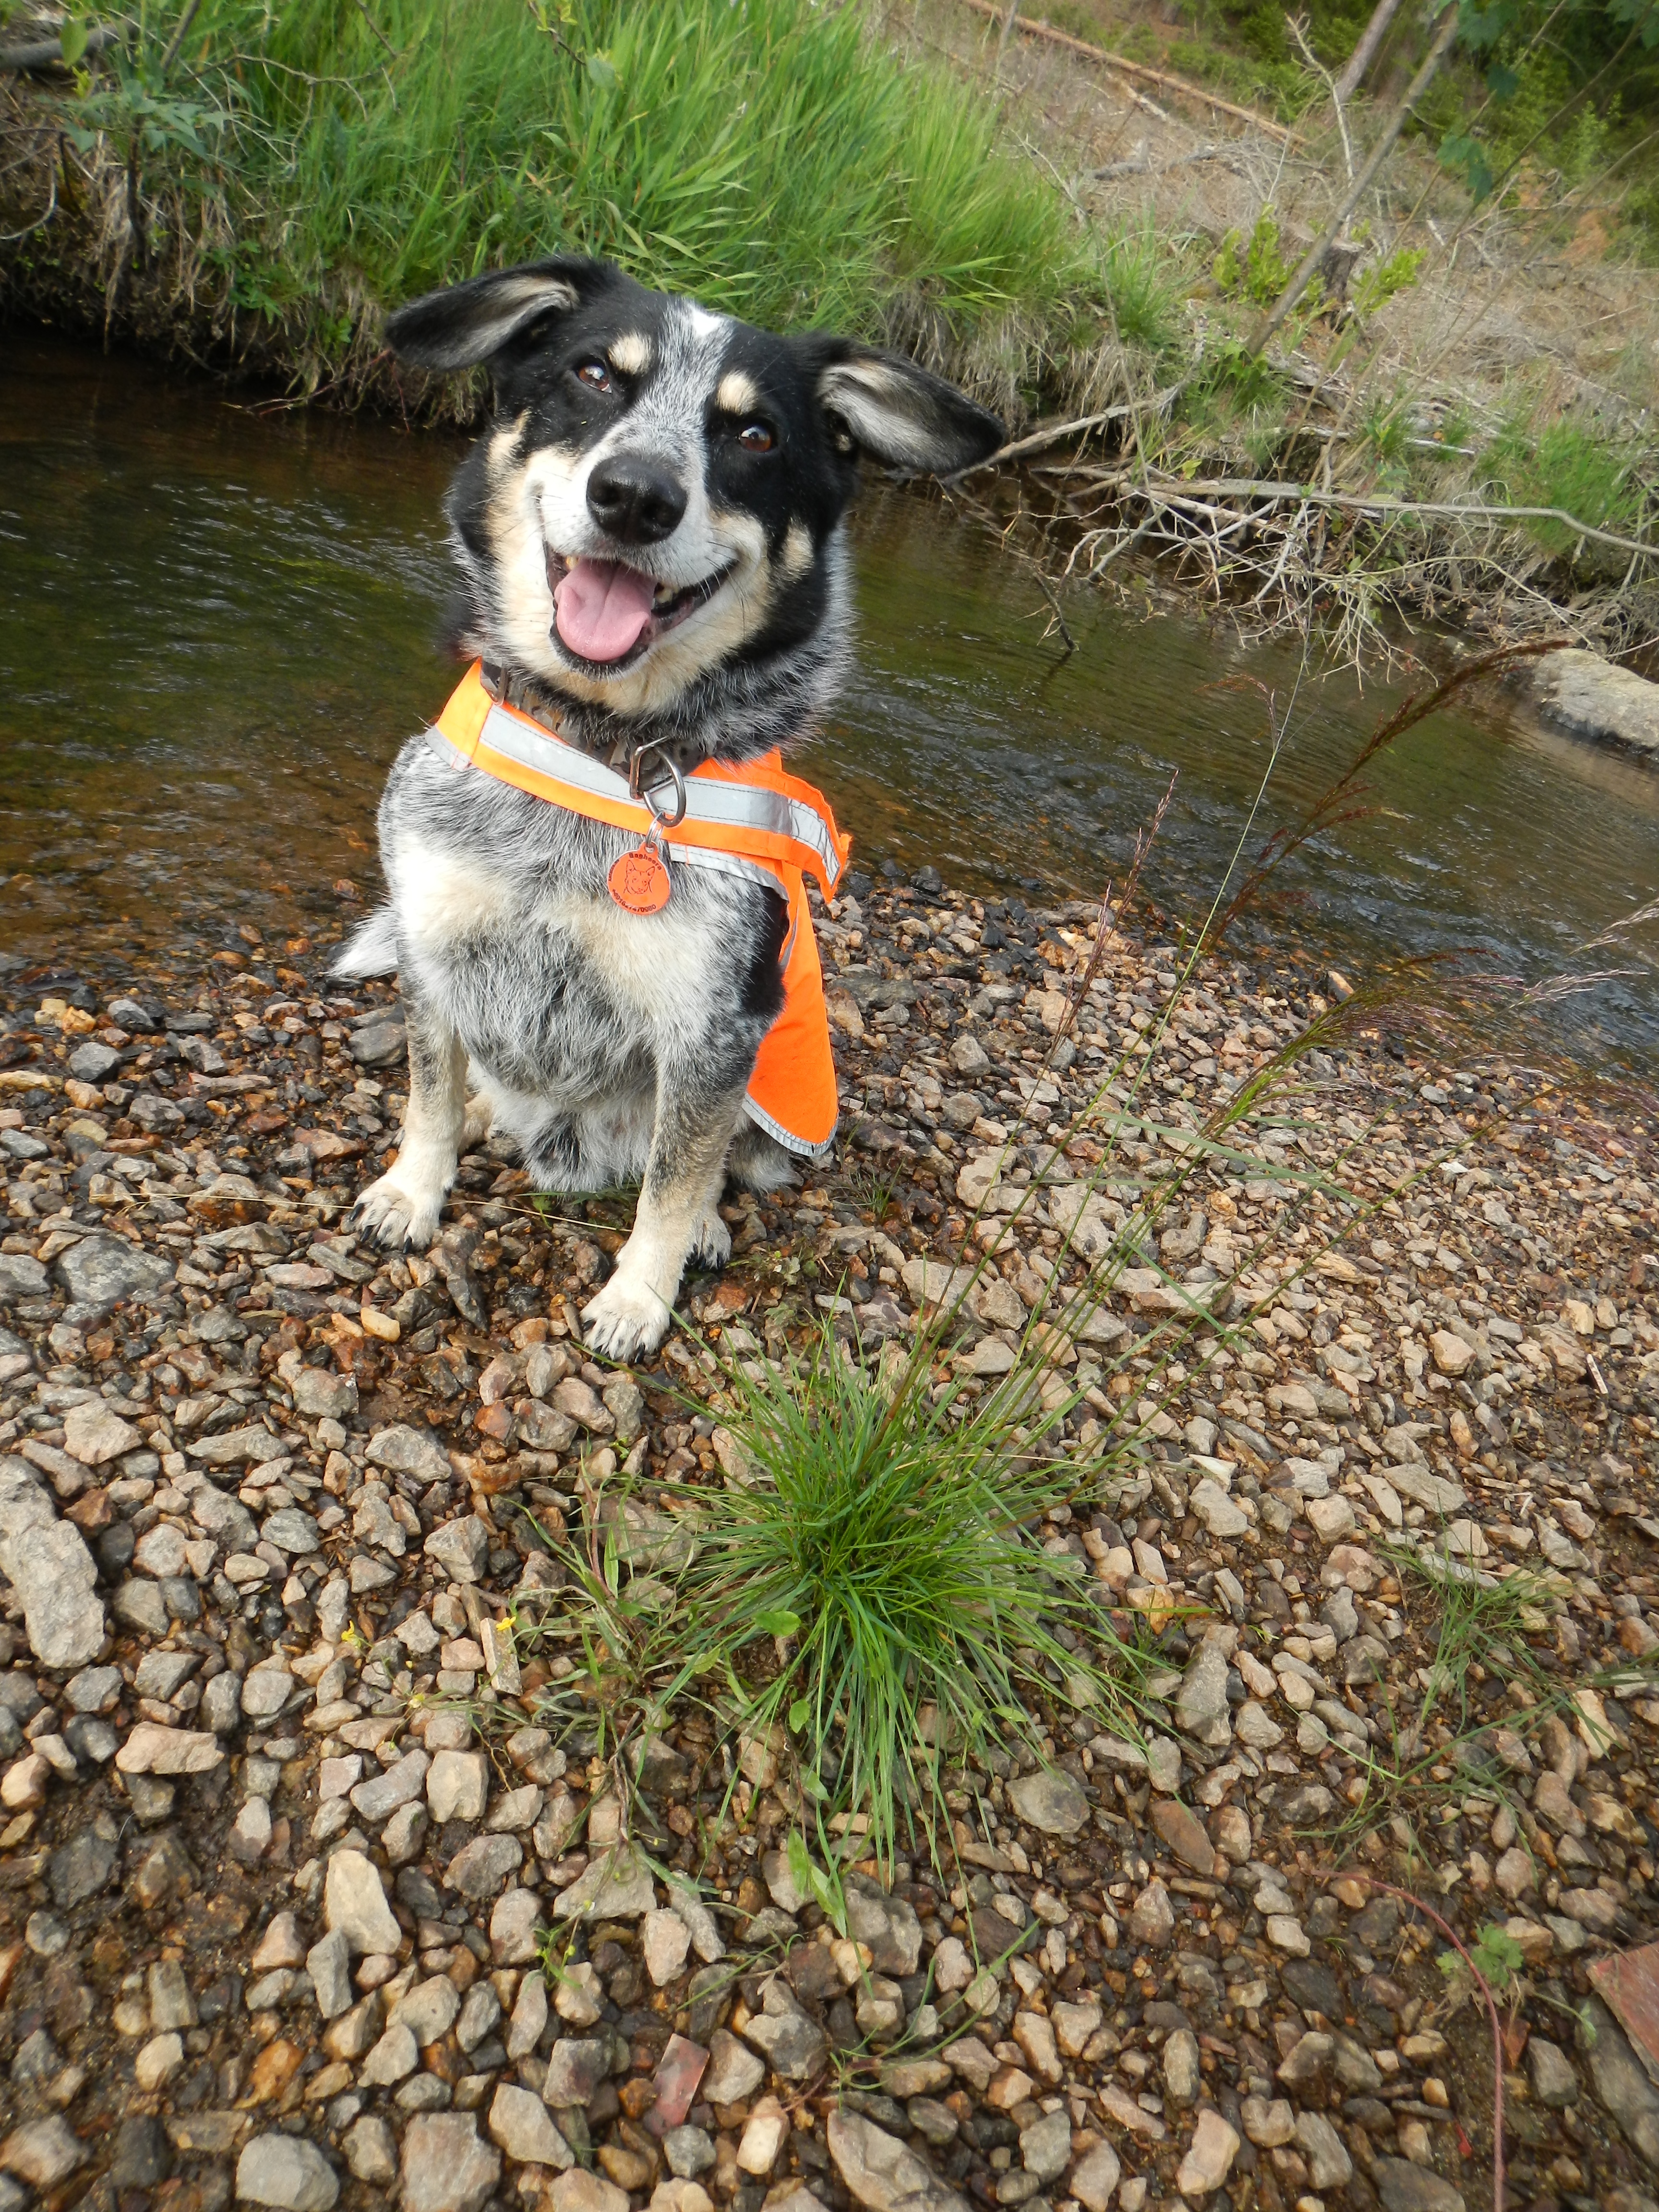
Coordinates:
[636,501]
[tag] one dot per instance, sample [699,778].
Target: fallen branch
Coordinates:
[1038,440]
[1179,84]
[1140,167]
[1182,489]
[48,53]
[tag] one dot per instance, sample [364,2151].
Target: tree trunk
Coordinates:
[1354,72]
[1420,84]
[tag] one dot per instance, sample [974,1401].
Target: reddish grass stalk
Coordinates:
[1406,1897]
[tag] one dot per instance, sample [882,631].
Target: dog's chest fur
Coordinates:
[504,921]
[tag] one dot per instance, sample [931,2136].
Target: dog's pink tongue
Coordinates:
[601,607]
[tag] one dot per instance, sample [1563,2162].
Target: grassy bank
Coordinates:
[295,170]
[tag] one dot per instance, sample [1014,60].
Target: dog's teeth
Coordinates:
[664,593]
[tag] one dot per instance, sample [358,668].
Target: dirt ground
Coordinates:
[1537,310]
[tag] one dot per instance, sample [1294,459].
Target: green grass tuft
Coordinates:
[894,1548]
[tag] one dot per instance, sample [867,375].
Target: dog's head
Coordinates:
[660,495]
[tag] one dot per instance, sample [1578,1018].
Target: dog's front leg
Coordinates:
[677,1214]
[403,1207]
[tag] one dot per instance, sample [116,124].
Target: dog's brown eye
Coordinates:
[755,438]
[595,375]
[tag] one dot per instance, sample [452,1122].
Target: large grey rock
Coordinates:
[886,1923]
[288,2173]
[1589,697]
[521,2124]
[101,1270]
[1095,2177]
[1200,1706]
[321,1394]
[397,1785]
[1404,2187]
[291,1531]
[355,1903]
[81,1868]
[94,1432]
[792,2039]
[881,2172]
[734,2071]
[42,2153]
[430,2010]
[1621,2081]
[328,1962]
[21,1278]
[616,1886]
[1045,2148]
[575,2067]
[404,1450]
[1052,1801]
[371,2150]
[447,2167]
[479,1870]
[46,1562]
[1210,2155]
[460,1548]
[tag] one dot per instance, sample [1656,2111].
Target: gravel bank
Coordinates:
[270,1903]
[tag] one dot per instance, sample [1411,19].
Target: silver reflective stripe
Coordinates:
[722,805]
[700,856]
[791,1143]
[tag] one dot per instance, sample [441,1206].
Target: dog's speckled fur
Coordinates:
[607,1045]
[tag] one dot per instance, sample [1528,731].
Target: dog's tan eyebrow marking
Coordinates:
[631,353]
[503,444]
[736,395]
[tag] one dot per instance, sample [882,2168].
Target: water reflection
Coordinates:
[219,625]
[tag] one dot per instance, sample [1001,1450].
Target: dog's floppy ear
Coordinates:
[900,414]
[469,323]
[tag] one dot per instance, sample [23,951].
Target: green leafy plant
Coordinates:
[1254,269]
[1376,284]
[1495,1956]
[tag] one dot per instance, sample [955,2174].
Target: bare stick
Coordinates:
[1297,27]
[1039,439]
[1354,71]
[1427,70]
[179,35]
[1031,30]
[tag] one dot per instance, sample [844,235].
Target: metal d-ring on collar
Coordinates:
[637,788]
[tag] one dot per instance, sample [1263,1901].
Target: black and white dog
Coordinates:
[650,538]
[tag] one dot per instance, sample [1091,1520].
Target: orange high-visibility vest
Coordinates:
[756,821]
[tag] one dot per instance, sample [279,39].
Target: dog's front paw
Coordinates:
[398,1217]
[625,1319]
[711,1240]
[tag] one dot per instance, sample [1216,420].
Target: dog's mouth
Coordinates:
[608,614]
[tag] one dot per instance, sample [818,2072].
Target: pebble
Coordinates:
[1209,2156]
[446,2166]
[354,1905]
[287,2172]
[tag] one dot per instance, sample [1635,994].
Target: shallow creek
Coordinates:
[216,625]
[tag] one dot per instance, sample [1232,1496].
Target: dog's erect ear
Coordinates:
[469,322]
[900,414]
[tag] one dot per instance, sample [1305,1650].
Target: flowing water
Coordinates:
[218,624]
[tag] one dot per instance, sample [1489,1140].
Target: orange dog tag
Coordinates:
[638,881]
